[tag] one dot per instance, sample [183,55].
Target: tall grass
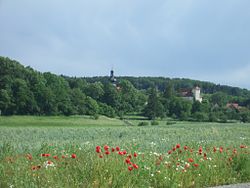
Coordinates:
[62,136]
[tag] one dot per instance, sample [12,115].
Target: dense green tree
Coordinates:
[154,108]
[219,98]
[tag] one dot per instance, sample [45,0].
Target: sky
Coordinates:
[206,40]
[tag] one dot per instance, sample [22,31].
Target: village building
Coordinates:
[112,78]
[194,94]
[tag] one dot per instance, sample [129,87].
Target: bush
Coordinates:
[171,122]
[154,122]
[143,123]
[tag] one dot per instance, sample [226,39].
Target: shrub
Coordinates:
[171,122]
[143,123]
[154,122]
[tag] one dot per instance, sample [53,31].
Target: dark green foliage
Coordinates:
[143,123]
[24,91]
[154,122]
[154,108]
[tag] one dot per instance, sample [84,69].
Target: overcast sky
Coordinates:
[198,39]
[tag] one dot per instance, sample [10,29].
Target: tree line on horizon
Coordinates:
[25,91]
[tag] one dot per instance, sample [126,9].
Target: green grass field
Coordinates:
[24,139]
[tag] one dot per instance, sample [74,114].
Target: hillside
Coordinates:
[25,91]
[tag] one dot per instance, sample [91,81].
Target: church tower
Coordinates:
[112,77]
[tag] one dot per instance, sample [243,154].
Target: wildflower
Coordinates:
[221,149]
[35,167]
[178,146]
[215,149]
[135,166]
[127,160]
[63,156]
[187,165]
[124,152]
[48,164]
[45,155]
[135,154]
[200,150]
[196,165]
[230,159]
[113,149]
[98,149]
[190,160]
[73,156]
[130,168]
[120,153]
[55,157]
[185,148]
[117,148]
[106,147]
[243,146]
[29,156]
[100,156]
[169,152]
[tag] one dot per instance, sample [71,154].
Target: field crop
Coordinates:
[82,152]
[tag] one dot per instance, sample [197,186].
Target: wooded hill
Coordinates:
[24,91]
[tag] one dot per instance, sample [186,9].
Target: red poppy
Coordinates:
[200,150]
[196,165]
[55,157]
[117,148]
[63,156]
[178,145]
[215,149]
[135,154]
[107,152]
[174,148]
[106,147]
[45,155]
[169,152]
[243,146]
[221,149]
[124,152]
[113,149]
[135,166]
[120,153]
[73,156]
[100,156]
[127,160]
[130,168]
[230,159]
[190,160]
[185,147]
[98,147]
[49,162]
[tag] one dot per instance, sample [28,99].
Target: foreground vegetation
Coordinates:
[83,152]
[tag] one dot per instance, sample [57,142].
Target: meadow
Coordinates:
[80,151]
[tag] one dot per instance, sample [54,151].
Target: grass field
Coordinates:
[24,139]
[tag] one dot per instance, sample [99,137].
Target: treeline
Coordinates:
[24,91]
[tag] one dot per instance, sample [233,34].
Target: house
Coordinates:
[194,94]
[233,106]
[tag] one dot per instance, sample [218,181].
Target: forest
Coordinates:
[25,91]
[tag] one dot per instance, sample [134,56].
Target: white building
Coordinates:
[197,94]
